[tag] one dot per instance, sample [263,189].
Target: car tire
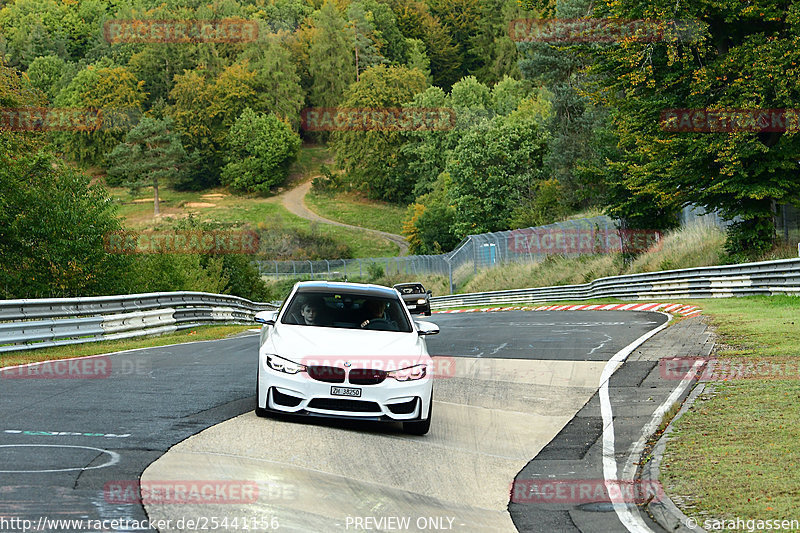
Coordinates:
[420,427]
[263,413]
[428,312]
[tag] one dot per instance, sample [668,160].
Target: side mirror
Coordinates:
[427,328]
[428,292]
[266,317]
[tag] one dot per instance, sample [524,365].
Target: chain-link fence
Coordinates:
[571,238]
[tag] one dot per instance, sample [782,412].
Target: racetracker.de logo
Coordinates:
[718,369]
[377,119]
[85,368]
[730,120]
[378,367]
[67,119]
[180,31]
[601,30]
[180,492]
[581,241]
[182,242]
[580,491]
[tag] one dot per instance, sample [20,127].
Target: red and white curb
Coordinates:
[675,309]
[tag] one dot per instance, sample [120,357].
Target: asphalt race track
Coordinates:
[69,448]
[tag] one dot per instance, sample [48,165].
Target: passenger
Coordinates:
[311,313]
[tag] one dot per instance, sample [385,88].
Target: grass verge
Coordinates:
[350,208]
[734,453]
[200,333]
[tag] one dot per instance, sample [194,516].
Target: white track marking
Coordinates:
[114,458]
[631,520]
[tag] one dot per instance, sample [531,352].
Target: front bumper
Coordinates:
[390,401]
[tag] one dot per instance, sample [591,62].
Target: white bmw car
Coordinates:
[346,350]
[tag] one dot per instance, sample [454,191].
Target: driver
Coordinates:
[375,310]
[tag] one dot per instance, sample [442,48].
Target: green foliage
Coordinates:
[429,224]
[544,207]
[53,223]
[150,155]
[369,158]
[46,74]
[493,170]
[415,20]
[34,28]
[260,150]
[327,181]
[331,57]
[276,78]
[109,88]
[418,59]
[374,271]
[743,57]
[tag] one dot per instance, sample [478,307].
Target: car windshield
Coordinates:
[411,289]
[349,311]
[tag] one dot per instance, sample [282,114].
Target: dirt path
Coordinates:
[294,201]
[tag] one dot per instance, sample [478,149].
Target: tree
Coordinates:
[415,21]
[370,157]
[113,90]
[331,57]
[494,169]
[579,141]
[418,59]
[364,36]
[276,77]
[430,220]
[45,74]
[461,19]
[52,221]
[737,59]
[151,154]
[204,110]
[260,150]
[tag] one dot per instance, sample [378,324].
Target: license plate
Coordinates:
[346,391]
[412,306]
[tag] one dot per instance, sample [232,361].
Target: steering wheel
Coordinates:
[381,323]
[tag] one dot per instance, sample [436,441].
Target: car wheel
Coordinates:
[428,312]
[420,427]
[263,413]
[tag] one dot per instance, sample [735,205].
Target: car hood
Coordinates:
[296,342]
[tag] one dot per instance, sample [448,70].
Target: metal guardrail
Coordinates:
[30,324]
[746,279]
[40,323]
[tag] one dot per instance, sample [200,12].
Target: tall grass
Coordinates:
[692,246]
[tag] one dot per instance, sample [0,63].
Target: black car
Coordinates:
[417,299]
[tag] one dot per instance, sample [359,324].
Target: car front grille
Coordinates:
[334,404]
[327,374]
[366,376]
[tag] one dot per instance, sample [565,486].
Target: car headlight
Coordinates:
[281,364]
[410,373]
[421,301]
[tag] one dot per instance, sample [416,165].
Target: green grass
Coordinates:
[219,205]
[307,165]
[735,452]
[350,208]
[250,210]
[200,333]
[694,246]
